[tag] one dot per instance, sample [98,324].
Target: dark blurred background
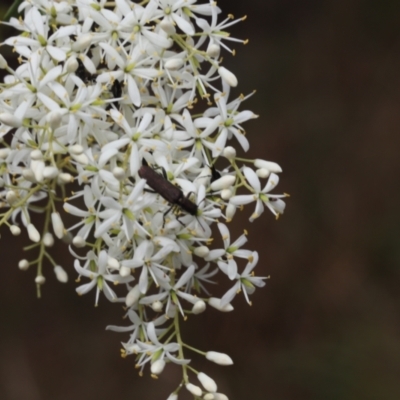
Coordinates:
[327,325]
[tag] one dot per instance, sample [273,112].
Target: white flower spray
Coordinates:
[128,103]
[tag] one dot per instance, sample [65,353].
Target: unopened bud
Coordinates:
[226,194]
[48,239]
[133,296]
[119,173]
[229,152]
[195,390]
[173,396]
[61,275]
[263,173]
[81,158]
[208,383]
[78,241]
[50,172]
[23,265]
[82,43]
[65,177]
[40,280]
[227,76]
[174,64]
[269,165]
[58,225]
[167,27]
[230,212]
[124,271]
[224,182]
[216,303]
[213,50]
[28,175]
[199,307]
[157,367]
[219,358]
[54,119]
[157,306]
[220,396]
[10,120]
[201,251]
[37,167]
[15,230]
[11,197]
[4,153]
[76,149]
[36,155]
[33,233]
[113,263]
[71,64]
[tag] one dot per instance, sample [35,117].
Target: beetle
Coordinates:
[161,185]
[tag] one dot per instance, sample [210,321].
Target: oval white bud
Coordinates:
[269,165]
[54,119]
[40,280]
[37,167]
[173,64]
[10,120]
[3,62]
[33,233]
[71,64]
[61,274]
[226,194]
[50,172]
[230,212]
[216,303]
[28,175]
[157,306]
[224,182]
[65,177]
[220,396]
[207,382]
[4,153]
[82,43]
[213,50]
[15,230]
[48,239]
[81,158]
[36,155]
[119,173]
[201,251]
[133,296]
[262,173]
[113,263]
[167,27]
[78,241]
[228,76]
[195,390]
[199,307]
[58,225]
[124,271]
[23,265]
[208,396]
[76,149]
[173,396]
[219,358]
[11,197]
[229,152]
[157,367]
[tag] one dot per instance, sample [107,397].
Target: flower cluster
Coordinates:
[122,111]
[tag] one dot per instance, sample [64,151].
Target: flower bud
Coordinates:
[208,396]
[220,396]
[230,212]
[174,64]
[124,271]
[54,119]
[226,194]
[263,173]
[11,197]
[199,307]
[224,182]
[208,383]
[227,76]
[76,149]
[48,239]
[50,172]
[65,177]
[167,27]
[71,64]
[219,358]
[113,263]
[10,120]
[269,165]
[36,155]
[82,43]
[4,153]
[3,62]
[229,152]
[213,50]
[133,296]
[33,233]
[201,251]
[157,367]
[40,280]
[119,173]
[61,274]
[28,175]
[157,306]
[15,230]
[216,303]
[173,396]
[195,390]
[78,241]
[23,265]
[58,225]
[81,158]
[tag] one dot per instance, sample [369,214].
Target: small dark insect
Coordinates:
[161,185]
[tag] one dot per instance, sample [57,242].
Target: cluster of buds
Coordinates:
[122,112]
